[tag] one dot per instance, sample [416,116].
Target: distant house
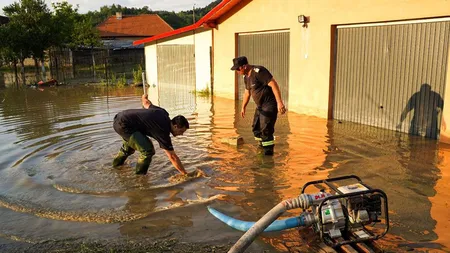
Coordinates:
[3,20]
[120,31]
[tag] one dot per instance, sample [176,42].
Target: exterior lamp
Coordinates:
[302,19]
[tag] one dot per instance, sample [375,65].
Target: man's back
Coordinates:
[153,122]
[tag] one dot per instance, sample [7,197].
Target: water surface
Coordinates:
[56,179]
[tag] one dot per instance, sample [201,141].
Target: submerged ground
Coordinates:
[58,192]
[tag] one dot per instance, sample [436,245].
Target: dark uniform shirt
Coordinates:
[261,92]
[153,122]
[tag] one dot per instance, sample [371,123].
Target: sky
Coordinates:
[92,5]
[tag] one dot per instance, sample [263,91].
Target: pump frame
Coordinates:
[343,196]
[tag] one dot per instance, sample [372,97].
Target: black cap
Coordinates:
[238,62]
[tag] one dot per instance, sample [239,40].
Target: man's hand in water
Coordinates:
[183,177]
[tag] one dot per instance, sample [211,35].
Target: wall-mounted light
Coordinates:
[302,19]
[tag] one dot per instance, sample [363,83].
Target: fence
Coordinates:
[94,65]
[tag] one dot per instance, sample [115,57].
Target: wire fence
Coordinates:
[95,65]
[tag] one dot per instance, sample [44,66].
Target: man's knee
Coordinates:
[148,152]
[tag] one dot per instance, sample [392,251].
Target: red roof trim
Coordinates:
[198,24]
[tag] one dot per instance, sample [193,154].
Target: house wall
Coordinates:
[310,48]
[151,72]
[203,43]
[202,39]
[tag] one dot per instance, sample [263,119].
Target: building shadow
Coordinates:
[426,119]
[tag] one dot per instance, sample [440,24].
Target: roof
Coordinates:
[121,44]
[209,19]
[133,26]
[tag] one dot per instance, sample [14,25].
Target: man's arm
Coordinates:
[245,102]
[145,102]
[276,91]
[175,160]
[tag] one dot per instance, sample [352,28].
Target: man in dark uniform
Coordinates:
[134,125]
[260,84]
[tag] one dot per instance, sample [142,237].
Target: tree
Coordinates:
[64,20]
[85,35]
[33,19]
[10,47]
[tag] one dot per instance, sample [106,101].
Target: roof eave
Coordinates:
[204,20]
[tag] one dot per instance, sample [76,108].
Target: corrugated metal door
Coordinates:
[271,50]
[176,77]
[392,75]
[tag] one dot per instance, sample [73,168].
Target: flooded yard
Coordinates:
[57,182]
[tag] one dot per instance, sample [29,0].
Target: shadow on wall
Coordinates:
[427,106]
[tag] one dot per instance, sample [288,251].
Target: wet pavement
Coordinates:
[56,179]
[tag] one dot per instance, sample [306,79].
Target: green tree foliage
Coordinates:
[34,20]
[85,34]
[9,50]
[65,18]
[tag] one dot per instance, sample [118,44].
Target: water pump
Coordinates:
[345,214]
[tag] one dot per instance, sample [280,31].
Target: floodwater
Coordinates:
[56,179]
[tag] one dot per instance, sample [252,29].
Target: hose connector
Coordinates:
[305,200]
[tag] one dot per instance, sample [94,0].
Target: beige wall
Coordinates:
[309,47]
[202,39]
[151,73]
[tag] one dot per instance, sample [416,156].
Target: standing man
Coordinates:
[134,125]
[261,85]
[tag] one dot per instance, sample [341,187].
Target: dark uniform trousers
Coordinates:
[137,141]
[263,129]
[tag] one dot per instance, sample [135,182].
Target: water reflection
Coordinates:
[8,78]
[439,202]
[403,166]
[2,79]
[58,144]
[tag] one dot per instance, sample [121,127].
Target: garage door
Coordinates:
[176,77]
[392,75]
[271,50]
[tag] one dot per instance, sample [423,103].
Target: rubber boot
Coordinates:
[119,159]
[268,150]
[142,165]
[145,147]
[124,152]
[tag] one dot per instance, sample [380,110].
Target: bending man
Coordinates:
[134,125]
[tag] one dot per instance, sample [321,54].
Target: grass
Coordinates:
[203,93]
[128,246]
[137,75]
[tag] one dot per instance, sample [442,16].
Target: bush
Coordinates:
[113,78]
[122,81]
[137,75]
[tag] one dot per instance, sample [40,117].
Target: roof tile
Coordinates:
[133,26]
